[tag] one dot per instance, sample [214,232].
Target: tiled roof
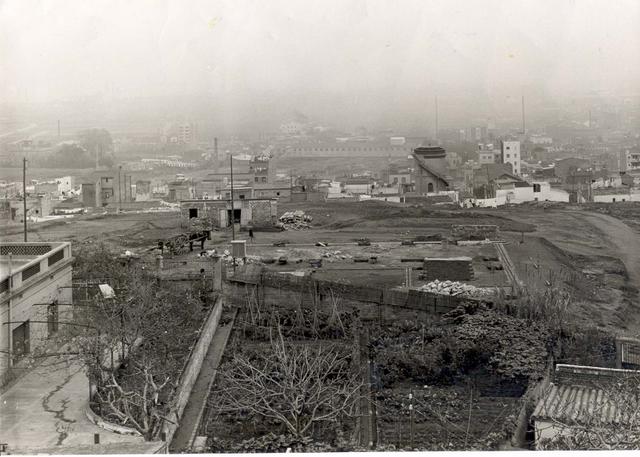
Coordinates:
[576,404]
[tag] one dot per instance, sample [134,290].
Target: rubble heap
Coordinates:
[456,288]
[295,220]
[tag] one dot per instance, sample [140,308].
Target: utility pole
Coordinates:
[24,195]
[119,188]
[233,218]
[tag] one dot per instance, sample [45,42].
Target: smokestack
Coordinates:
[215,152]
[523,124]
[436,107]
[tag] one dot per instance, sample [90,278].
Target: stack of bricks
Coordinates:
[451,269]
[475,232]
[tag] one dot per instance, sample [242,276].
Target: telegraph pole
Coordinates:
[233,218]
[524,131]
[233,222]
[24,195]
[119,189]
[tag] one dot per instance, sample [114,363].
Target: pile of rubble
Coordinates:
[335,255]
[295,220]
[456,288]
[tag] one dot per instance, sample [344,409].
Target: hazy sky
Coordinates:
[371,53]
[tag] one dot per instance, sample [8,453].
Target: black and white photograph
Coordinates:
[319,226]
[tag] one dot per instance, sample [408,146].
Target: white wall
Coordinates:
[611,198]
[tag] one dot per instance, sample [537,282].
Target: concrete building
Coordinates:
[430,168]
[487,154]
[143,191]
[632,159]
[101,193]
[180,190]
[66,184]
[34,277]
[248,212]
[187,133]
[12,209]
[510,153]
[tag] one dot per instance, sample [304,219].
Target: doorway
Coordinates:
[20,336]
[236,216]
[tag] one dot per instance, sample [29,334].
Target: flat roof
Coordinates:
[24,255]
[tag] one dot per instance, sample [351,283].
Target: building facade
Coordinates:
[35,283]
[510,152]
[248,212]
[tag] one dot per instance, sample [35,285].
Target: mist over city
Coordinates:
[319,226]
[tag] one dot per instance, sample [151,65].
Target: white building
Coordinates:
[633,159]
[510,153]
[35,281]
[486,154]
[65,184]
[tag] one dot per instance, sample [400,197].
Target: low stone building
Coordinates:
[248,212]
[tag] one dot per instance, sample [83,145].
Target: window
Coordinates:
[241,197]
[536,187]
[508,147]
[264,179]
[508,156]
[278,194]
[256,179]
[430,187]
[193,212]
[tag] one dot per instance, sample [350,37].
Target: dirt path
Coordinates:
[623,238]
[625,243]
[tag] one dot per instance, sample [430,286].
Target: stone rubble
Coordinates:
[295,220]
[456,288]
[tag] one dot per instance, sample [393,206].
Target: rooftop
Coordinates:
[26,255]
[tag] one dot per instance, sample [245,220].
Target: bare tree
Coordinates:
[295,384]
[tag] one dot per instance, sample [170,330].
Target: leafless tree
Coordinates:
[293,383]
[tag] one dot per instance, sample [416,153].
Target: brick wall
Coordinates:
[370,302]
[454,269]
[264,213]
[475,232]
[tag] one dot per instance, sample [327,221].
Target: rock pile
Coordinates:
[335,255]
[295,220]
[456,288]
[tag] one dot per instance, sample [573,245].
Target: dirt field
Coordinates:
[597,256]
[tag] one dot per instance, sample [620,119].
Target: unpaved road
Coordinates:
[625,244]
[622,238]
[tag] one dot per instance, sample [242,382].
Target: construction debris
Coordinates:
[456,288]
[295,220]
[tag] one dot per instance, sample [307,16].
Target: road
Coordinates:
[44,412]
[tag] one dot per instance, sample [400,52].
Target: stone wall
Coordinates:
[264,213]
[192,370]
